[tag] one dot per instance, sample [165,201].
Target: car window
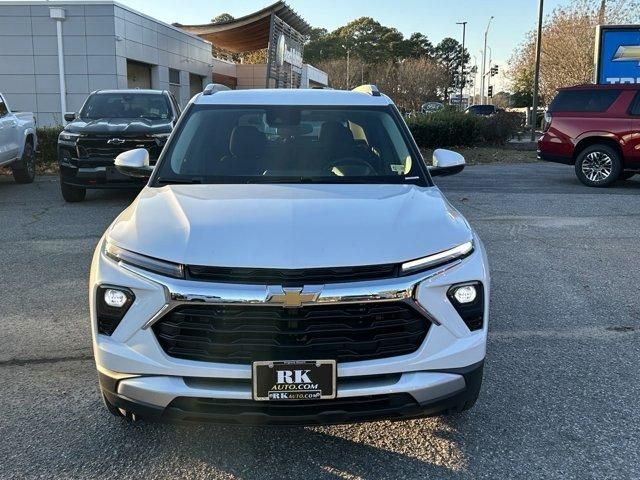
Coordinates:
[127,105]
[284,143]
[635,105]
[482,109]
[583,100]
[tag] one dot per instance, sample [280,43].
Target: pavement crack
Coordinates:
[36,361]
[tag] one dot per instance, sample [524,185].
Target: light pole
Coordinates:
[484,61]
[464,28]
[536,74]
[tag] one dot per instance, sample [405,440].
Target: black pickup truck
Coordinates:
[111,122]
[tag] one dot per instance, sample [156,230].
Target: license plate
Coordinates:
[294,380]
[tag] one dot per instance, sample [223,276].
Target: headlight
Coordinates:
[161,267]
[436,259]
[69,136]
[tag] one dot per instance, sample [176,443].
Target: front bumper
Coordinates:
[138,376]
[92,172]
[390,397]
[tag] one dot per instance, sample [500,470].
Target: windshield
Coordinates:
[126,105]
[284,144]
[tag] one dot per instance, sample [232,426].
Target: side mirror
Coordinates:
[69,116]
[446,162]
[134,163]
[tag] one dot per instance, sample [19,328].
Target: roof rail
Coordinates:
[368,89]
[212,88]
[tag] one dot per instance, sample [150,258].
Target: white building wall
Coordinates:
[98,38]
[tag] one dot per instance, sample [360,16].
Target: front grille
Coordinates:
[97,146]
[291,277]
[243,334]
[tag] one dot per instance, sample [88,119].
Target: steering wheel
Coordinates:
[352,162]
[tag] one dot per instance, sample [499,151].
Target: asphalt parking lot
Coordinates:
[562,380]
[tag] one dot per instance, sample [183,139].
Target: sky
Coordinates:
[434,18]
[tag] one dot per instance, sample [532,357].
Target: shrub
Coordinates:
[452,128]
[48,143]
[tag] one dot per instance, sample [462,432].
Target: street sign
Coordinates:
[617,54]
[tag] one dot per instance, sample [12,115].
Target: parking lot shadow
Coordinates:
[375,450]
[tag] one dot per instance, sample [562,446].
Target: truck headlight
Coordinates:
[151,264]
[69,136]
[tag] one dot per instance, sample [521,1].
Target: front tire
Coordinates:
[598,166]
[72,194]
[24,171]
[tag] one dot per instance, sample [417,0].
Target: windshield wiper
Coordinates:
[178,181]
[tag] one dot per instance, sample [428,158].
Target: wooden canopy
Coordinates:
[250,32]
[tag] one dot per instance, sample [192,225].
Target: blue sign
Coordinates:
[618,54]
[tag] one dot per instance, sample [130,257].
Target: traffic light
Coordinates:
[490,94]
[494,70]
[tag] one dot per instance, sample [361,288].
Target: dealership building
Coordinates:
[54,53]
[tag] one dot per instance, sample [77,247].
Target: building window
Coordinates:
[174,82]
[138,75]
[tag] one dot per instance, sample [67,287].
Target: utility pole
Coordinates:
[484,61]
[464,28]
[536,75]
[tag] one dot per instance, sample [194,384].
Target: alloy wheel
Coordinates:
[597,166]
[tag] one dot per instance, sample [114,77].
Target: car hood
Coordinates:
[289,226]
[123,126]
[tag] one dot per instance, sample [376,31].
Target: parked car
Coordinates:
[289,277]
[18,142]
[482,110]
[111,122]
[595,128]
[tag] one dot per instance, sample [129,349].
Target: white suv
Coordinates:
[291,262]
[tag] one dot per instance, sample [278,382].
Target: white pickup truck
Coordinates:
[18,142]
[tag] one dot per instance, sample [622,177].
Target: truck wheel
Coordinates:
[72,194]
[24,171]
[598,166]
[626,175]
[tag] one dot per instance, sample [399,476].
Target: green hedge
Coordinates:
[441,129]
[456,129]
[48,143]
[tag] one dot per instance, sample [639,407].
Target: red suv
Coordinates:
[597,129]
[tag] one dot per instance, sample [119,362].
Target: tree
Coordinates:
[502,99]
[223,17]
[367,39]
[410,82]
[450,55]
[568,40]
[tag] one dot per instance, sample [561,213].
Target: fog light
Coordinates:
[465,294]
[115,298]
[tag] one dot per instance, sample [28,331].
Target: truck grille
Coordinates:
[97,146]
[242,334]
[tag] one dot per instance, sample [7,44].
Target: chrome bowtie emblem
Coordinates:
[292,297]
[115,141]
[627,53]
